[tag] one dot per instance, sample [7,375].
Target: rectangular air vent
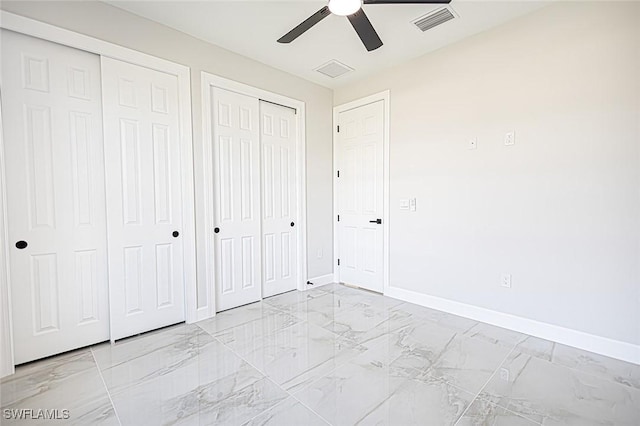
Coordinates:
[435,18]
[333,69]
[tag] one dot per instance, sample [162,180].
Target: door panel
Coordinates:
[52,119]
[360,192]
[236,148]
[144,188]
[279,198]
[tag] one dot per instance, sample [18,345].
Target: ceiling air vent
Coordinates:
[435,18]
[333,69]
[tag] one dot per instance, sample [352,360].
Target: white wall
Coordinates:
[120,27]
[559,210]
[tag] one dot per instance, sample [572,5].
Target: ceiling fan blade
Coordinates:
[305,25]
[365,30]
[406,1]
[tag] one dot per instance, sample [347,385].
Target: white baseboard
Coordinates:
[578,339]
[321,280]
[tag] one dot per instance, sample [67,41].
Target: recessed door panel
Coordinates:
[37,119]
[248,277]
[80,129]
[164,275]
[88,280]
[130,171]
[162,172]
[53,147]
[133,280]
[44,276]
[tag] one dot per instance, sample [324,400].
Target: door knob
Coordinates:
[175,234]
[21,244]
[216,230]
[293,224]
[378,221]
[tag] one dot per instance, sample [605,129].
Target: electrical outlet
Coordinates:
[505,280]
[473,144]
[510,138]
[504,374]
[320,253]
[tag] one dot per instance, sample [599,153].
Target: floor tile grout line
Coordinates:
[291,395]
[104,383]
[321,417]
[212,334]
[258,370]
[485,384]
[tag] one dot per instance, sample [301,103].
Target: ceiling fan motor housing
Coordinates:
[344,7]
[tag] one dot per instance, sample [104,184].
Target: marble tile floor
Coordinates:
[332,355]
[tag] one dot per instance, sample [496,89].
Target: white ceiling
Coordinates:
[251,28]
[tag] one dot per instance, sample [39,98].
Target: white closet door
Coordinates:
[53,151]
[360,192]
[236,152]
[279,199]
[143,175]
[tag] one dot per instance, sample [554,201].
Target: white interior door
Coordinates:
[360,196]
[236,159]
[53,151]
[279,199]
[144,212]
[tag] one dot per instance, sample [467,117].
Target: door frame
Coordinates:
[204,169]
[383,96]
[6,319]
[34,28]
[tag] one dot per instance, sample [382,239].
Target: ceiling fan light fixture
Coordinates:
[344,7]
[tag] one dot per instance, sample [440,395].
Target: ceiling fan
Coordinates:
[352,9]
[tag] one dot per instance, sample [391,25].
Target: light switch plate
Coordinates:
[510,138]
[412,204]
[404,204]
[505,280]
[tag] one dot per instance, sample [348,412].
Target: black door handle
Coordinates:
[378,221]
[293,224]
[21,244]
[216,230]
[175,234]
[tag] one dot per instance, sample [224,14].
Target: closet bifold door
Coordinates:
[144,209]
[53,152]
[236,183]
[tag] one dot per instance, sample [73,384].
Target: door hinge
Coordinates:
[338,262]
[338,129]
[338,218]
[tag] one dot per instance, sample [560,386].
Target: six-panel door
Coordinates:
[279,199]
[236,228]
[53,147]
[144,208]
